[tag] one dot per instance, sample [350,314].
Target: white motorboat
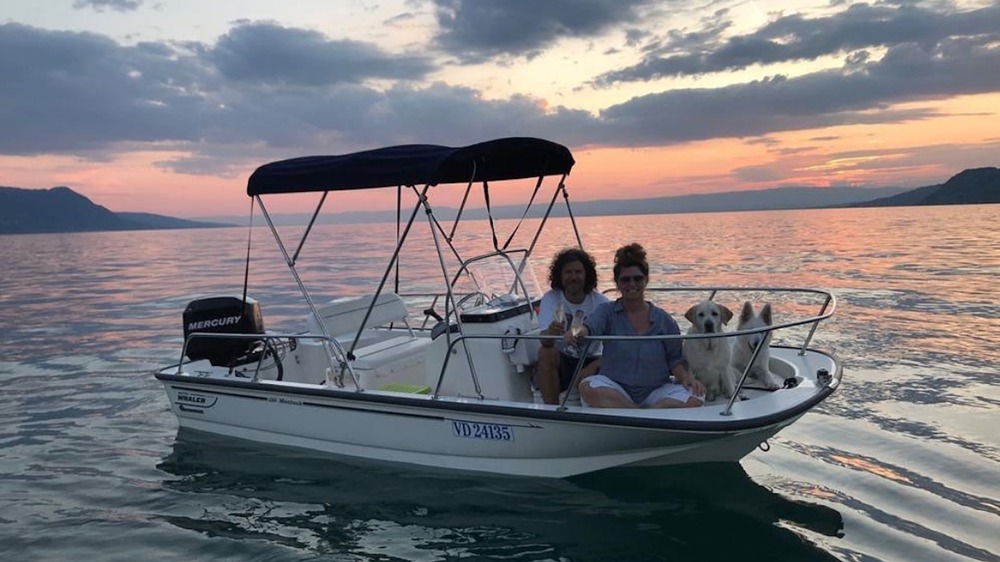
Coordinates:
[442,378]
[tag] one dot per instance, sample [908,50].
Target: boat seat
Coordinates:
[371,357]
[399,360]
[343,317]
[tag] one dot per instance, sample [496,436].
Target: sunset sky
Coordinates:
[167,106]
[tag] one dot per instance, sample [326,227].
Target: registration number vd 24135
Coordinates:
[475,430]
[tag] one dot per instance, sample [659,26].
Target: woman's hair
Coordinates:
[631,255]
[570,255]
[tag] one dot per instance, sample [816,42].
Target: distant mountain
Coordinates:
[158,222]
[973,186]
[766,199]
[775,199]
[60,209]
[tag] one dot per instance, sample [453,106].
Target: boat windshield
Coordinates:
[498,274]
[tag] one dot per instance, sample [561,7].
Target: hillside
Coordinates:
[60,209]
[969,187]
[978,185]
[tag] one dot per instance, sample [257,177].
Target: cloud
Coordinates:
[899,167]
[906,73]
[798,38]
[759,174]
[272,54]
[100,5]
[81,91]
[88,95]
[288,122]
[476,30]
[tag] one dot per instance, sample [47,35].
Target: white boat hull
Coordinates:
[494,436]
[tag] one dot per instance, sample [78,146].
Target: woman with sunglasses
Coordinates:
[638,373]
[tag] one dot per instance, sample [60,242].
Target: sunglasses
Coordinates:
[631,279]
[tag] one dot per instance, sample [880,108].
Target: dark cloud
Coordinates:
[476,30]
[635,36]
[796,38]
[81,91]
[272,54]
[906,73]
[85,94]
[285,123]
[101,5]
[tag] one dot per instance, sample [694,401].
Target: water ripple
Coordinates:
[901,463]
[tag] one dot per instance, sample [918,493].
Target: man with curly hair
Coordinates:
[573,282]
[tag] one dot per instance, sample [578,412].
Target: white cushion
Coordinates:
[343,317]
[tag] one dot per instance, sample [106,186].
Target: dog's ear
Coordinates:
[690,314]
[765,313]
[727,314]
[747,313]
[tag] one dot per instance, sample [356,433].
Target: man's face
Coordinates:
[574,277]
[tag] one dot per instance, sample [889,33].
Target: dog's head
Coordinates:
[708,317]
[750,320]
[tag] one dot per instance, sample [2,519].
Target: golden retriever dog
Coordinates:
[709,359]
[745,344]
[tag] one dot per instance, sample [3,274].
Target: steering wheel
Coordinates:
[480,298]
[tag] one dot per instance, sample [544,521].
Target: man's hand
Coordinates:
[574,341]
[556,328]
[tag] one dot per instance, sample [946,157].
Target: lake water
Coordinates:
[901,463]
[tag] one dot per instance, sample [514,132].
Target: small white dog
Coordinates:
[709,358]
[745,344]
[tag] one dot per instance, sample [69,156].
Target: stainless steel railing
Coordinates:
[333,347]
[826,310]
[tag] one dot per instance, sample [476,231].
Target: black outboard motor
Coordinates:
[223,315]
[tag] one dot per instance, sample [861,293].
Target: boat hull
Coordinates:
[475,435]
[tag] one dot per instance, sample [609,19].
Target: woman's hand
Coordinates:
[694,386]
[684,377]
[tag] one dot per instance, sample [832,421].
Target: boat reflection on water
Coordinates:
[719,510]
[321,504]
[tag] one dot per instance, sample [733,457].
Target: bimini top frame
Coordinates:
[410,166]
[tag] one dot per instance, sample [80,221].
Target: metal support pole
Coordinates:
[312,306]
[746,373]
[449,302]
[805,344]
[576,374]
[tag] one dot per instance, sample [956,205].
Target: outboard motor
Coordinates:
[222,315]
